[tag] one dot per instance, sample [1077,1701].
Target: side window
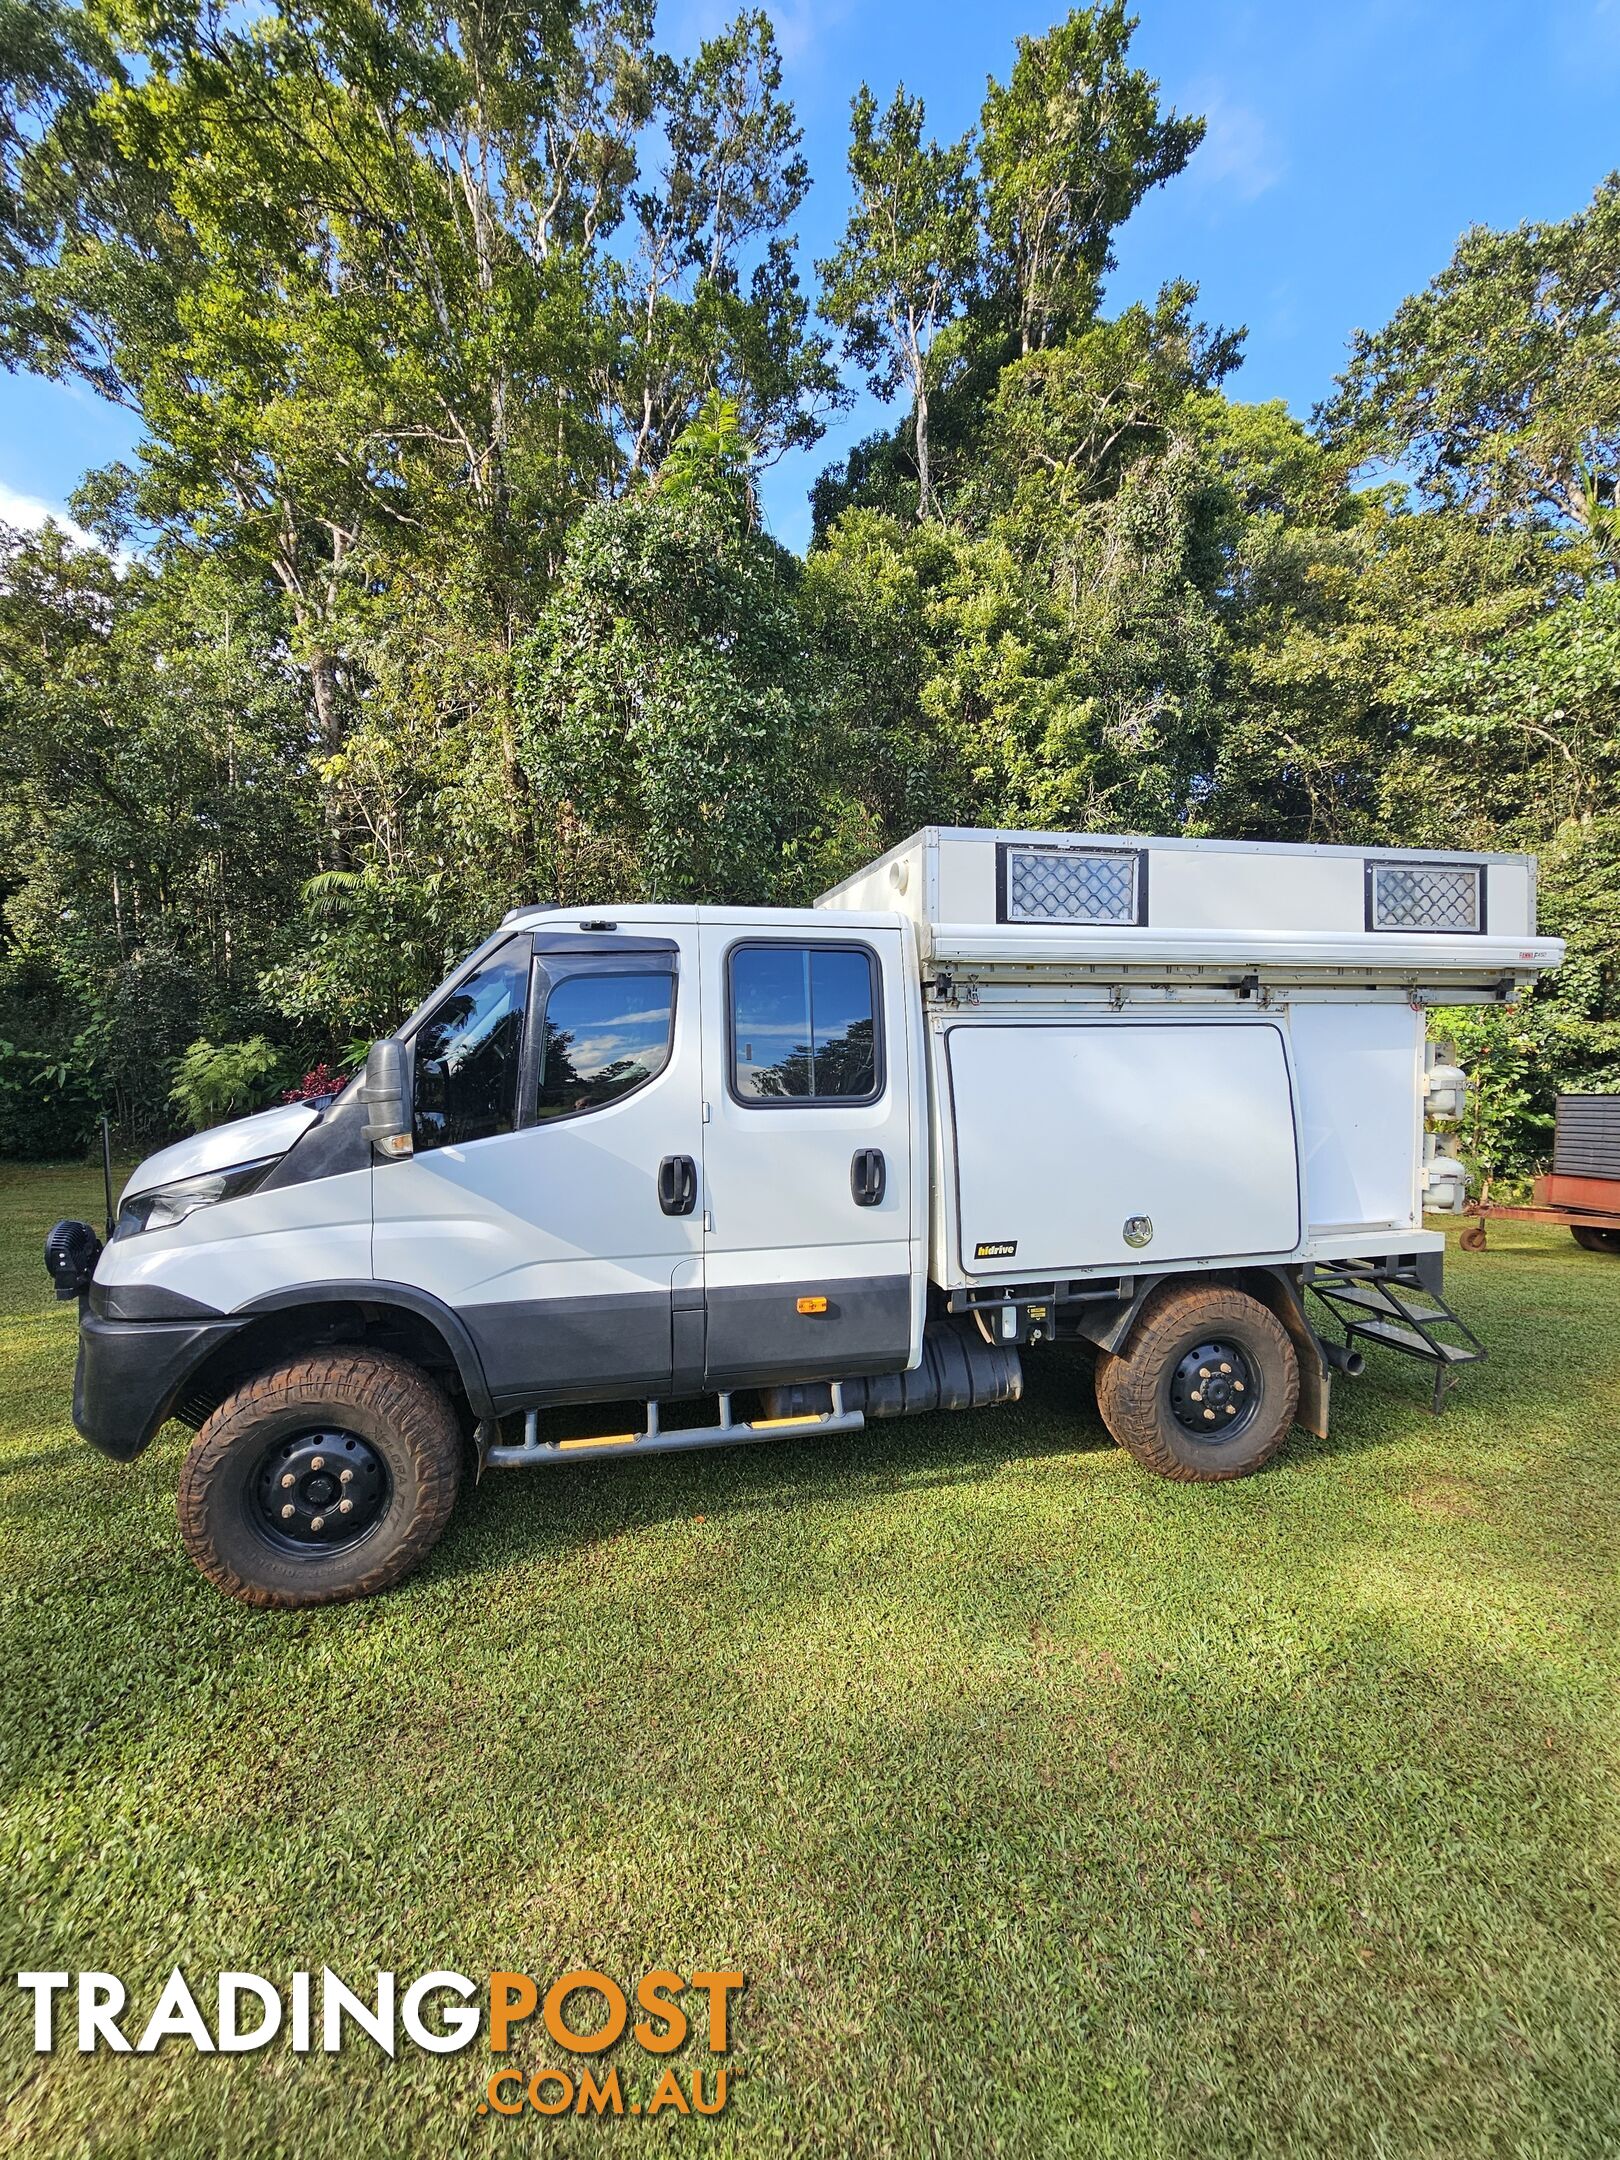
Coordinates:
[603,1036]
[804,1023]
[467,1053]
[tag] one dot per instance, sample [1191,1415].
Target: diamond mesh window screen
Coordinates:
[1425,896]
[1064,885]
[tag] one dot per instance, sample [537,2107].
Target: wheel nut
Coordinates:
[1210,1415]
[344,1506]
[1231,1409]
[1237,1387]
[345,1477]
[288,1510]
[1197,1395]
[320,1461]
[1203,1372]
[287,1479]
[1224,1368]
[319,1523]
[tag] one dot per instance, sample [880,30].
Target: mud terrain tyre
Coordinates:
[325,1478]
[1206,1389]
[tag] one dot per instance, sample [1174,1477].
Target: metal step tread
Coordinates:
[1415,1345]
[1382,1302]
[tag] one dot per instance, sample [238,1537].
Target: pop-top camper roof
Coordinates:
[1122,907]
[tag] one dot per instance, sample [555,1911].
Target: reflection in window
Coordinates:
[802,1023]
[467,1053]
[603,1035]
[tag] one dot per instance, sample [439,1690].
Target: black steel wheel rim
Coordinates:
[318,1491]
[1214,1392]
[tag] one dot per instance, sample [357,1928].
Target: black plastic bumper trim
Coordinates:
[130,1374]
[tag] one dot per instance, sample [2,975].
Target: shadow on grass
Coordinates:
[1354,1894]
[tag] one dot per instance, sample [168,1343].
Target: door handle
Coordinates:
[868,1176]
[677,1184]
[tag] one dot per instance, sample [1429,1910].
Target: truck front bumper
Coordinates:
[131,1373]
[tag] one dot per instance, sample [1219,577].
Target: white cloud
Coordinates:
[1237,155]
[30,513]
[799,24]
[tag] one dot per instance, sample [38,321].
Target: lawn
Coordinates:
[1049,1809]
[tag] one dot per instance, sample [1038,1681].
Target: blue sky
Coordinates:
[1348,147]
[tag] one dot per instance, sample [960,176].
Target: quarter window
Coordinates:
[804,1023]
[467,1054]
[602,1037]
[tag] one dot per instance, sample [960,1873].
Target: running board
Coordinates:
[1394,1311]
[534,1453]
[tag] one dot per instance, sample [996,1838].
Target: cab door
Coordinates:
[554,1195]
[811,1261]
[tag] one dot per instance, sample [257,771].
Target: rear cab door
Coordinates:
[813,1230]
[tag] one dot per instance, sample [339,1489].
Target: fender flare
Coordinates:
[371,1291]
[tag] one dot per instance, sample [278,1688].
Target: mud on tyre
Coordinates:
[1206,1389]
[327,1477]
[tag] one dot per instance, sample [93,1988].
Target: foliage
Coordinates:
[458,340]
[48,1064]
[319,1084]
[1499,384]
[908,256]
[1067,149]
[663,734]
[213,1081]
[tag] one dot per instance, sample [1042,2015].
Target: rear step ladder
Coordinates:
[1391,1308]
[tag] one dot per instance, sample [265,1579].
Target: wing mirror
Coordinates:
[386,1093]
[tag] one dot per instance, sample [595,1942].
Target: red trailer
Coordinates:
[1582,1190]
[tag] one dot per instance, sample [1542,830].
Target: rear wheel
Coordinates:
[1208,1386]
[325,1478]
[1591,1239]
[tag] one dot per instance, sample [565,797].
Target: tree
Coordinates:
[351,268]
[1067,150]
[908,257]
[709,304]
[1068,422]
[1499,384]
[156,803]
[663,726]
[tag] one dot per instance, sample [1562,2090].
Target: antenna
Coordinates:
[106,1169]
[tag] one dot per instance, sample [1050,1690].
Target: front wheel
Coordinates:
[325,1478]
[1591,1239]
[1208,1386]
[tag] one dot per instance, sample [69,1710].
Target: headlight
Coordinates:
[166,1205]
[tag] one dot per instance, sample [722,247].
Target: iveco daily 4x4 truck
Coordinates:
[775,1171]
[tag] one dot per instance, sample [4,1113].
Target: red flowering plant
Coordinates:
[319,1084]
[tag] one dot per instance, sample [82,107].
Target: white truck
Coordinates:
[780,1171]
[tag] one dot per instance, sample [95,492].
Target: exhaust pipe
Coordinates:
[1343,1359]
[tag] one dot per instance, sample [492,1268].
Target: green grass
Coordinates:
[1048,1808]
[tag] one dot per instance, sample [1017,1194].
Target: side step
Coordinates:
[536,1454]
[1393,1310]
